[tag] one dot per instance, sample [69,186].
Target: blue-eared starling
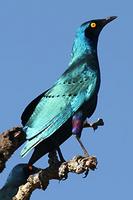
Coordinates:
[61,111]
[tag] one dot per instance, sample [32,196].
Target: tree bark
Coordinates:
[10,141]
[58,171]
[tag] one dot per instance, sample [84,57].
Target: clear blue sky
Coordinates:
[35,44]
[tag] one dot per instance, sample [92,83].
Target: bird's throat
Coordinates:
[83,48]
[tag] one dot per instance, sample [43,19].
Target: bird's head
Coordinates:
[87,37]
[92,28]
[19,175]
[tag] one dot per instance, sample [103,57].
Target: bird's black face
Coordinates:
[94,27]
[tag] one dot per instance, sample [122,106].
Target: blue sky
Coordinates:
[35,44]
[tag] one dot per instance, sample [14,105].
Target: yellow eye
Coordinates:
[93,25]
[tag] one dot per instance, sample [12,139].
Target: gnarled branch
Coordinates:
[19,187]
[56,171]
[10,140]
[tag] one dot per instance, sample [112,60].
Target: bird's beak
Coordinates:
[108,19]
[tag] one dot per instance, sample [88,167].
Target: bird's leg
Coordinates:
[94,125]
[77,126]
[60,155]
[82,146]
[57,148]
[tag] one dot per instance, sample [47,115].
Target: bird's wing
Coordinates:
[30,109]
[58,105]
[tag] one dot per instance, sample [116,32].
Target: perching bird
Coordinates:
[17,177]
[62,110]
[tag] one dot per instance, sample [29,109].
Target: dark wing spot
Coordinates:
[69,95]
[70,82]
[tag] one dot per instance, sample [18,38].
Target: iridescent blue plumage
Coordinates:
[48,119]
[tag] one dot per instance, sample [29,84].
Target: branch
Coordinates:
[56,170]
[10,140]
[20,184]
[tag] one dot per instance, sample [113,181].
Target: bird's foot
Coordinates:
[91,163]
[86,173]
[79,164]
[94,125]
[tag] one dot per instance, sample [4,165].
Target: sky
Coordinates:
[35,43]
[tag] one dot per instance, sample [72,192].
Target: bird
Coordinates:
[62,110]
[17,177]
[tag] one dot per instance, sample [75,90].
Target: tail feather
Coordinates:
[29,146]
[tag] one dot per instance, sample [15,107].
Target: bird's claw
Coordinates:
[86,173]
[94,125]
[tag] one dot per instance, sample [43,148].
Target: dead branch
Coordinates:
[10,140]
[56,170]
[21,189]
